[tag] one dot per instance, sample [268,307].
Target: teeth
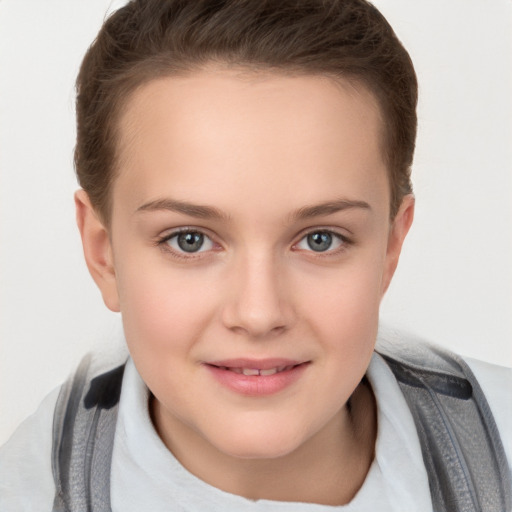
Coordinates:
[251,371]
[255,371]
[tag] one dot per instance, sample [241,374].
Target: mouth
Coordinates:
[257,377]
[257,371]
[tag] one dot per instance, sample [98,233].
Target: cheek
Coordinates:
[350,292]
[161,309]
[343,311]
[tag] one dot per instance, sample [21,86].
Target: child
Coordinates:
[245,172]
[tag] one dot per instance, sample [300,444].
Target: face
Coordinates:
[249,249]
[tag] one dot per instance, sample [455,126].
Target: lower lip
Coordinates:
[257,385]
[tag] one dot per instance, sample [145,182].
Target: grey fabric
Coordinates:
[461,446]
[84,428]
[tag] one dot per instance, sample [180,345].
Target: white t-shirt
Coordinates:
[146,476]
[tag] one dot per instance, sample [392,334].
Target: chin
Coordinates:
[268,443]
[257,452]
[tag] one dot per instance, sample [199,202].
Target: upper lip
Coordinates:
[259,364]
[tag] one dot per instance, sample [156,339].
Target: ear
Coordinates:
[398,231]
[97,250]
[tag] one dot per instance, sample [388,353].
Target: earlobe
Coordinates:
[399,229]
[97,249]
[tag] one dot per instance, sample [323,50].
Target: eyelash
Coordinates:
[345,242]
[162,242]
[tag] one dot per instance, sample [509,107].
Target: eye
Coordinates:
[189,242]
[321,241]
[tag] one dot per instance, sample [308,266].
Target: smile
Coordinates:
[257,371]
[257,378]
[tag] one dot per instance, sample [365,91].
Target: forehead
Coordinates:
[213,133]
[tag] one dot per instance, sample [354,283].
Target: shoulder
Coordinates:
[26,473]
[496,383]
[449,373]
[26,479]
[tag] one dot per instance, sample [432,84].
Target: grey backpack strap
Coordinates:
[462,449]
[83,437]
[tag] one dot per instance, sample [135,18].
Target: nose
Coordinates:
[257,304]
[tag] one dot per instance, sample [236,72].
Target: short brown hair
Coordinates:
[147,39]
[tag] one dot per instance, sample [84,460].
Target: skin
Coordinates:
[260,150]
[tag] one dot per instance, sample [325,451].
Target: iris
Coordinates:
[319,241]
[190,242]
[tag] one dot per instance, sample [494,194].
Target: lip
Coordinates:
[256,385]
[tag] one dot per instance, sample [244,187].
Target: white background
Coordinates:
[454,284]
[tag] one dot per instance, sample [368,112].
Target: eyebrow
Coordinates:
[209,212]
[328,208]
[193,210]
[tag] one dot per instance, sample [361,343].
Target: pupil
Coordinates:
[190,242]
[320,242]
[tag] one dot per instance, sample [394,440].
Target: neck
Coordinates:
[328,469]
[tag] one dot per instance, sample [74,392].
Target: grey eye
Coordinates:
[320,241]
[190,241]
